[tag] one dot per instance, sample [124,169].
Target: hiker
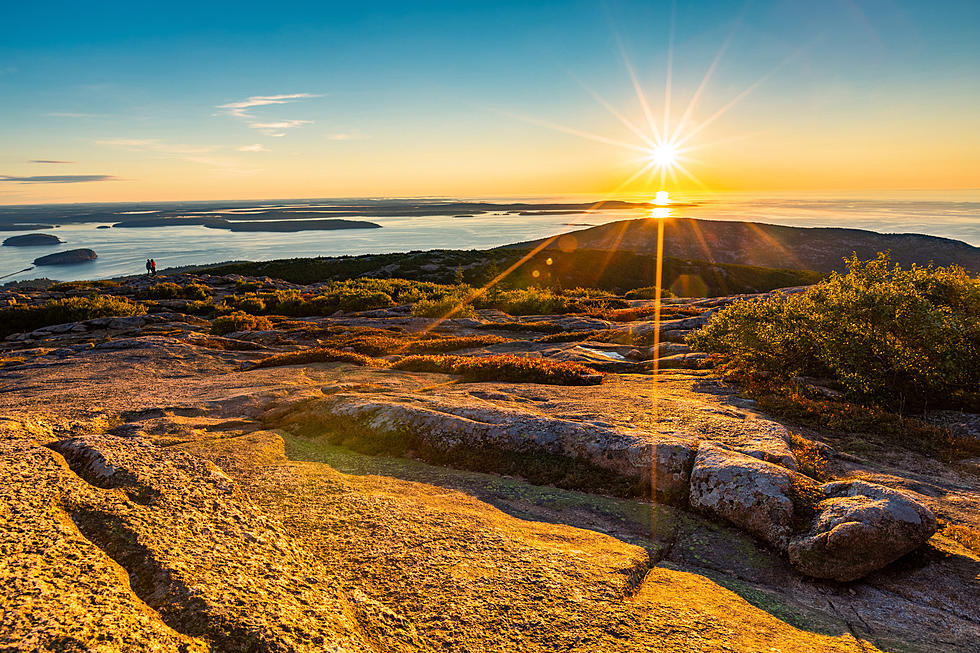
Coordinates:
[153,268]
[149,267]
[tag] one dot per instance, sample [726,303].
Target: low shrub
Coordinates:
[649,313]
[239,321]
[964,535]
[530,301]
[447,307]
[317,355]
[70,309]
[101,284]
[170,290]
[377,342]
[905,338]
[810,458]
[647,292]
[202,307]
[518,369]
[541,326]
[849,420]
[440,345]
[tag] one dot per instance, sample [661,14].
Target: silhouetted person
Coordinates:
[149,267]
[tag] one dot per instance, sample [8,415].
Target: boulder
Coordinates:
[860,527]
[69,257]
[32,240]
[750,493]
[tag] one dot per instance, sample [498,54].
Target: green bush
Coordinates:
[65,286]
[505,367]
[648,292]
[70,309]
[239,321]
[901,337]
[195,307]
[170,290]
[317,355]
[452,306]
[196,291]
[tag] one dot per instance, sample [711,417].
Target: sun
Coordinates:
[664,155]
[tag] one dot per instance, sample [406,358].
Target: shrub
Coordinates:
[647,292]
[102,284]
[966,536]
[540,326]
[901,337]
[196,291]
[531,301]
[239,322]
[505,367]
[170,290]
[439,345]
[317,355]
[452,307]
[70,309]
[195,307]
[163,290]
[649,312]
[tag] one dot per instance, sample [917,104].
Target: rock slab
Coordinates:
[860,527]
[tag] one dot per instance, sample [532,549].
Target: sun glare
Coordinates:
[662,198]
[664,155]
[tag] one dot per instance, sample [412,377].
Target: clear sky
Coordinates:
[127,101]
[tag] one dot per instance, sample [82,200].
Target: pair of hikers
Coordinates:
[151,267]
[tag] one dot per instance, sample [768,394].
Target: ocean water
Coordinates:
[124,251]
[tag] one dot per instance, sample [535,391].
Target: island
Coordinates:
[69,257]
[32,240]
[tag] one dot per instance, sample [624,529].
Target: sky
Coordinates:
[151,101]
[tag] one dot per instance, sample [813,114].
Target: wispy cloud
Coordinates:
[241,107]
[279,127]
[156,145]
[257,147]
[73,114]
[58,179]
[49,161]
[346,136]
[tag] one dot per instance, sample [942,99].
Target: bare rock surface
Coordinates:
[148,484]
[750,493]
[860,527]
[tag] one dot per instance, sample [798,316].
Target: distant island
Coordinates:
[265,225]
[32,240]
[166,213]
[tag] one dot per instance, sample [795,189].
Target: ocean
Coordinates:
[123,251]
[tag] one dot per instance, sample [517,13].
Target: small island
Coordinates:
[69,257]
[32,240]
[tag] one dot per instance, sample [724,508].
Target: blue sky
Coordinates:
[196,100]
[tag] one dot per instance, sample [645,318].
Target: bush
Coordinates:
[164,290]
[439,345]
[70,309]
[531,301]
[648,292]
[452,307]
[239,322]
[65,286]
[170,290]
[900,337]
[518,369]
[540,326]
[196,291]
[195,307]
[317,355]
